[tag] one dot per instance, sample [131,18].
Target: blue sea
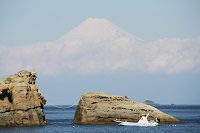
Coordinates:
[62,122]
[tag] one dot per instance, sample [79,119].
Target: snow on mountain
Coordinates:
[95,30]
[98,45]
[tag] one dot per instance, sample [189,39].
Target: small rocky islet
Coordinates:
[102,108]
[150,102]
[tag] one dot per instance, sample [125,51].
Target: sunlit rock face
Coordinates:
[101,108]
[21,103]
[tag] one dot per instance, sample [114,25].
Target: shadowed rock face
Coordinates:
[21,103]
[101,108]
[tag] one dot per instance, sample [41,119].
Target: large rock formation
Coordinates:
[101,108]
[21,103]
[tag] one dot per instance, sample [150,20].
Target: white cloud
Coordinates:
[169,55]
[173,55]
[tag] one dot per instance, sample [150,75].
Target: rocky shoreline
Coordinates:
[21,103]
[102,108]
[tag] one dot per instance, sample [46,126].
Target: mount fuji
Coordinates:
[97,45]
[95,30]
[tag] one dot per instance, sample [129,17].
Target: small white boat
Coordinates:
[142,122]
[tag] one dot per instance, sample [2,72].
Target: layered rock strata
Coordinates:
[21,103]
[101,108]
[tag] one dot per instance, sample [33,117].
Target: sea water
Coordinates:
[62,122]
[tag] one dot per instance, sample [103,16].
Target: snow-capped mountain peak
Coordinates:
[95,30]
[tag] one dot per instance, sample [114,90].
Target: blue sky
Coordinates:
[25,23]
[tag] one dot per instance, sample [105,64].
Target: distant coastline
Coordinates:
[150,102]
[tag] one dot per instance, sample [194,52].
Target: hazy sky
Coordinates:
[171,28]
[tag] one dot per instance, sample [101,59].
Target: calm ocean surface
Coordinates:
[62,122]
